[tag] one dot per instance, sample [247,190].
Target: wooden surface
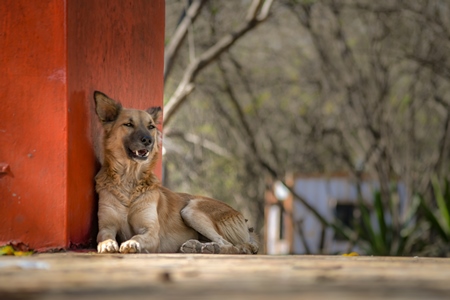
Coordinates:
[181,276]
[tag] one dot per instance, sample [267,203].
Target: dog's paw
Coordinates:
[191,246]
[210,248]
[130,246]
[194,246]
[254,248]
[108,246]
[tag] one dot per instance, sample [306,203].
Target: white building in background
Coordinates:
[292,228]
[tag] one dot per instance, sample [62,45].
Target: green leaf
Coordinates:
[443,210]
[432,219]
[379,210]
[412,212]
[447,194]
[368,228]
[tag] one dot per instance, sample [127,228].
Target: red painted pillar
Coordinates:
[54,54]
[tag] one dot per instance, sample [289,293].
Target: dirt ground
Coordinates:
[179,276]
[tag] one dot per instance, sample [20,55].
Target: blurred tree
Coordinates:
[319,86]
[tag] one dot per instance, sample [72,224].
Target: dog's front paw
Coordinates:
[211,248]
[191,246]
[194,246]
[108,246]
[130,246]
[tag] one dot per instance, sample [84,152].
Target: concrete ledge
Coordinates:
[176,276]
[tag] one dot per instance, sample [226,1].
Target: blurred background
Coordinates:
[326,122]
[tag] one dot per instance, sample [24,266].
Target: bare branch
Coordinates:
[265,10]
[187,82]
[253,10]
[170,53]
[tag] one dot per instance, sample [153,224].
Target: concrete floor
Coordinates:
[182,276]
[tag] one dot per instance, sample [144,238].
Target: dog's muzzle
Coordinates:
[139,146]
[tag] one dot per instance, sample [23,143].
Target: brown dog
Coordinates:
[138,211]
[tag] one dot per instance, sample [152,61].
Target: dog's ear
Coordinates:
[106,108]
[156,113]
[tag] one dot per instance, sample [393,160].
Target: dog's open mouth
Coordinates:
[139,154]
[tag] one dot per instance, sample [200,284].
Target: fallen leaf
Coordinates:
[7,250]
[23,253]
[351,254]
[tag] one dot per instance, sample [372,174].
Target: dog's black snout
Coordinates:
[146,140]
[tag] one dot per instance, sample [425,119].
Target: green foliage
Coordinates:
[438,218]
[381,236]
[425,230]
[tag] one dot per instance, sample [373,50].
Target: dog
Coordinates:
[141,215]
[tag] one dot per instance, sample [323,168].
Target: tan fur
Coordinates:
[137,214]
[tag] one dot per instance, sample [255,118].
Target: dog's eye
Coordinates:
[128,124]
[150,127]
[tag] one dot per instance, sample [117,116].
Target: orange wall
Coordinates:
[54,55]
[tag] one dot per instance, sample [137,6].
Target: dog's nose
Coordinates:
[146,140]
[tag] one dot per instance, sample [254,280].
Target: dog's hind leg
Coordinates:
[222,225]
